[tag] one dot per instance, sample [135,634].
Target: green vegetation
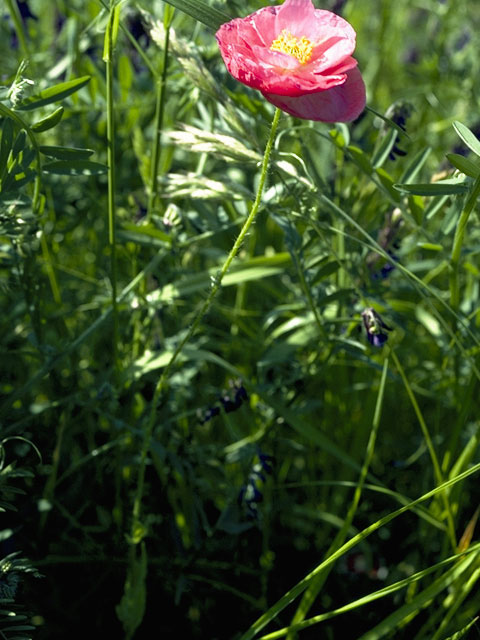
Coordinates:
[271,438]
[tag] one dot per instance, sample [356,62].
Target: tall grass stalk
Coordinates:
[168,13]
[108,57]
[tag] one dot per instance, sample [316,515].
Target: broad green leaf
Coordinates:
[443,188]
[470,139]
[49,121]
[66,153]
[75,168]
[464,165]
[53,94]
[210,17]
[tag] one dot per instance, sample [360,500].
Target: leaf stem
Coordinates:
[108,58]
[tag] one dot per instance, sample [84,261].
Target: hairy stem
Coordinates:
[216,284]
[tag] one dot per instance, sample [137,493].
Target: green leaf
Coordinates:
[472,142]
[415,165]
[75,168]
[66,153]
[360,158]
[5,144]
[254,269]
[386,145]
[19,144]
[466,166]
[111,32]
[387,181]
[53,94]
[49,121]
[443,188]
[430,246]
[210,17]
[131,609]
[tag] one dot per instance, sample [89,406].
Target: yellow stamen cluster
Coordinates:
[299,48]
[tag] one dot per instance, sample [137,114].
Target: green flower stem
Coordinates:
[159,111]
[110,36]
[137,529]
[431,449]
[457,244]
[316,584]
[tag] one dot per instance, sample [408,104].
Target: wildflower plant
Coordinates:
[240,318]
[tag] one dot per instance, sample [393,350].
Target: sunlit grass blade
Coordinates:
[201,11]
[371,597]
[300,587]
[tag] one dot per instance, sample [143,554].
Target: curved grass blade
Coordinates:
[365,600]
[200,11]
[300,587]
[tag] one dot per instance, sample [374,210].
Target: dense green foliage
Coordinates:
[280,440]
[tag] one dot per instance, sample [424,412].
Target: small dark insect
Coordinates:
[375,327]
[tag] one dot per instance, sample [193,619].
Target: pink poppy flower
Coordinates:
[300,59]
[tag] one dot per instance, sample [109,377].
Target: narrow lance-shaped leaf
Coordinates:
[111,32]
[75,168]
[415,165]
[464,165]
[66,153]
[53,94]
[446,187]
[49,121]
[468,137]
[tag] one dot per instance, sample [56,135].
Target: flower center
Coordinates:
[299,48]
